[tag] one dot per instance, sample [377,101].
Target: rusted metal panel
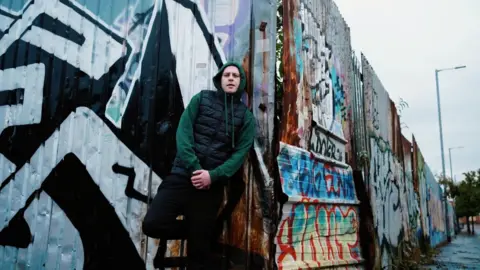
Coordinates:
[319,222]
[359,145]
[376,103]
[337,34]
[422,190]
[317,72]
[412,196]
[385,171]
[90,95]
[290,109]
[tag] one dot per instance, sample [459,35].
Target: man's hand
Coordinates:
[201,179]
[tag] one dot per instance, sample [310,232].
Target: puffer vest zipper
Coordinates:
[213,139]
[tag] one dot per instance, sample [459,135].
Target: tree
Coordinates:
[467,198]
[451,187]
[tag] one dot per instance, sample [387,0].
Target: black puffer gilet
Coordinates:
[213,139]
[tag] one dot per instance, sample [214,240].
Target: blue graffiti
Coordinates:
[306,177]
[338,94]
[297,32]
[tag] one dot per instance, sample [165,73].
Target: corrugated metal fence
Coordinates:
[90,96]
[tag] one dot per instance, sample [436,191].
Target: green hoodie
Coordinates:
[185,139]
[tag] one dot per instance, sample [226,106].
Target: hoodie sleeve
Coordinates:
[245,141]
[185,140]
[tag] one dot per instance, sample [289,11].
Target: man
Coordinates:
[214,135]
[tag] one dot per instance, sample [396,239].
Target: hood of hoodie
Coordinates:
[217,80]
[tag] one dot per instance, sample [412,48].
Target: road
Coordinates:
[462,253]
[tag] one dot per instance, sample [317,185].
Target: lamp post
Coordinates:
[450,158]
[441,145]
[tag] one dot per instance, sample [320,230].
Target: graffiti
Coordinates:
[377,103]
[404,218]
[339,110]
[304,176]
[75,108]
[422,191]
[314,175]
[317,235]
[412,197]
[436,211]
[135,28]
[319,225]
[188,12]
[320,108]
[327,93]
[231,19]
[329,147]
[90,97]
[319,85]
[73,154]
[385,198]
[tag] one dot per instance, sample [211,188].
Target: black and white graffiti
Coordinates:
[385,199]
[88,112]
[328,146]
[318,70]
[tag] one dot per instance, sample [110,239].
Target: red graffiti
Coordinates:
[317,235]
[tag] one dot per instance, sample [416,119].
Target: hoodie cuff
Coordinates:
[213,176]
[197,167]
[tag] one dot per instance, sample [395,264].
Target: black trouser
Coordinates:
[177,196]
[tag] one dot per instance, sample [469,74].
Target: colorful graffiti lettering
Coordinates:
[317,235]
[319,225]
[304,176]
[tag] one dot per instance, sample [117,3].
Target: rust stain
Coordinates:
[415,164]
[174,248]
[289,123]
[252,230]
[248,88]
[396,140]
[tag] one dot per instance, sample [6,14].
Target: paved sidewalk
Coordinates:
[462,253]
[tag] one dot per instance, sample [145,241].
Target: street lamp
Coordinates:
[450,157]
[441,145]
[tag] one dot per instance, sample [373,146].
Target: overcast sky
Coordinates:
[405,41]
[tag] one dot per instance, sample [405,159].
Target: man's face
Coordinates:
[230,79]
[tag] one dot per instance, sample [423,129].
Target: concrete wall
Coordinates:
[90,95]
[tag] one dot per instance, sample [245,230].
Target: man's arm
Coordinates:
[185,140]
[245,141]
